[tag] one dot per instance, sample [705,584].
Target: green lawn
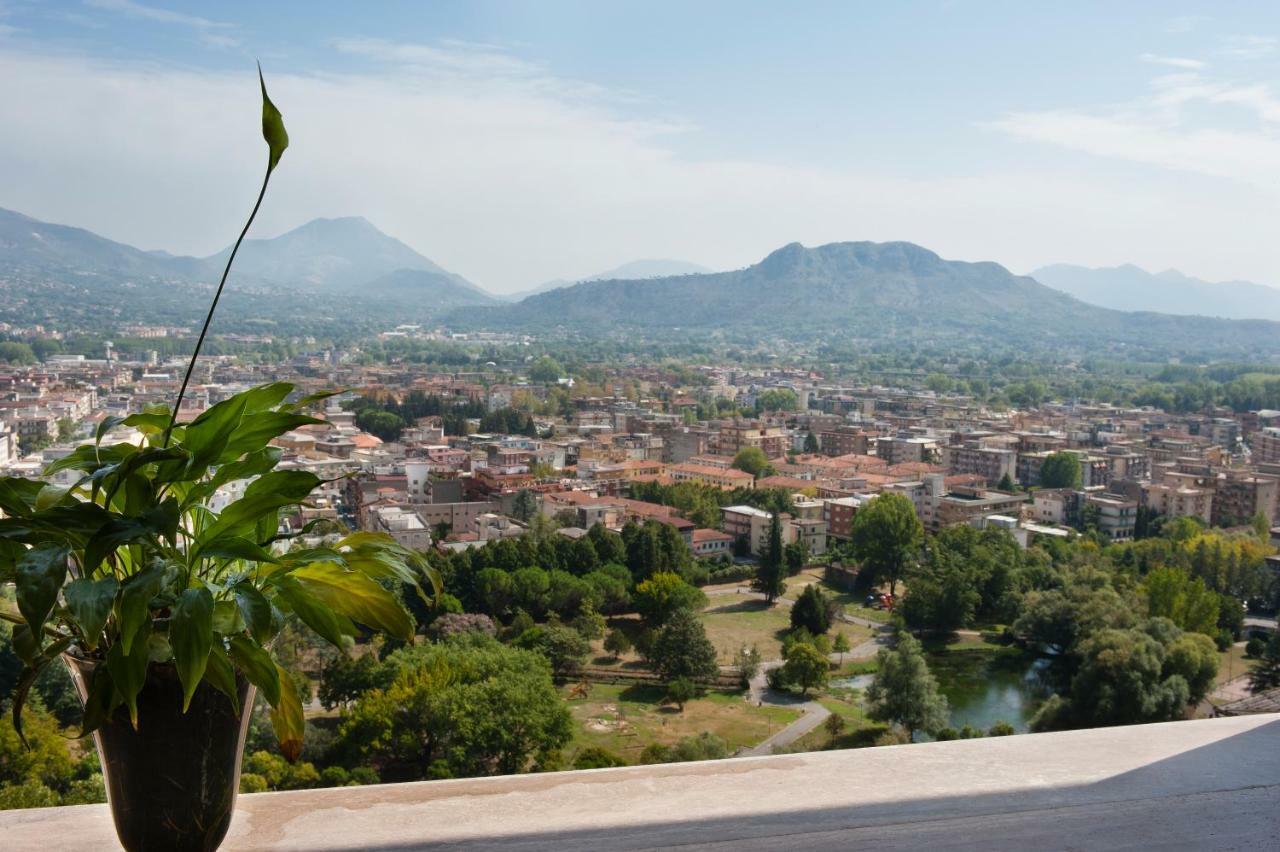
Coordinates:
[625,719]
[859,731]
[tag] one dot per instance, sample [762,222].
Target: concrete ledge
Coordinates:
[1210,784]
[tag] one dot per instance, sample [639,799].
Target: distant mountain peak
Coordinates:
[1132,288]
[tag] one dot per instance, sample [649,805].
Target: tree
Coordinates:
[564,647]
[797,556]
[1174,594]
[806,667]
[383,424]
[546,370]
[752,460]
[834,725]
[469,706]
[617,643]
[16,353]
[770,578]
[1265,673]
[682,649]
[1121,681]
[811,443]
[680,691]
[777,399]
[747,662]
[1006,484]
[841,646]
[812,610]
[1193,657]
[904,691]
[886,538]
[664,594]
[524,505]
[1060,470]
[345,679]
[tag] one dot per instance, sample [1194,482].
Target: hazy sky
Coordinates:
[517,142]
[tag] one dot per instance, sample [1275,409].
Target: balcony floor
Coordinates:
[1211,784]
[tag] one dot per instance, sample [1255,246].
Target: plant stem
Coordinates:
[213,307]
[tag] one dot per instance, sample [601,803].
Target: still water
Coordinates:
[985,688]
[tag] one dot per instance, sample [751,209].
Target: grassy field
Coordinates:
[859,731]
[625,719]
[1232,663]
[744,622]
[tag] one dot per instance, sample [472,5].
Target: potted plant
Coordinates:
[164,609]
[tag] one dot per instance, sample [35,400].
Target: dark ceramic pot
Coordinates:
[172,783]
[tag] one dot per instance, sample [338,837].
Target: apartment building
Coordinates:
[971,458]
[1238,497]
[727,478]
[845,440]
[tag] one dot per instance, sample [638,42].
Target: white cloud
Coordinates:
[153,13]
[503,173]
[1174,61]
[1249,46]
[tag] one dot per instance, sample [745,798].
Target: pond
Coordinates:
[984,687]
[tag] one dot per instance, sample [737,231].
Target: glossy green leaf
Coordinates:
[40,575]
[254,464]
[272,127]
[263,397]
[221,674]
[108,423]
[333,627]
[257,430]
[136,592]
[90,603]
[258,667]
[149,422]
[286,718]
[312,399]
[354,595]
[158,521]
[208,434]
[129,670]
[256,611]
[18,495]
[191,636]
[50,496]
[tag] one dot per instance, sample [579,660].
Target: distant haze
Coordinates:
[1130,288]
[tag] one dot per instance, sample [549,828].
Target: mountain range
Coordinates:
[1131,288]
[633,271]
[343,277]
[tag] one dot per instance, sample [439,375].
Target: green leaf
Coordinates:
[262,397]
[50,496]
[258,430]
[135,594]
[149,422]
[18,495]
[258,667]
[209,433]
[261,499]
[227,619]
[107,424]
[312,399]
[161,520]
[237,547]
[286,718]
[41,573]
[272,127]
[254,464]
[191,635]
[335,628]
[129,670]
[99,703]
[255,609]
[354,595]
[25,644]
[28,677]
[221,674]
[90,604]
